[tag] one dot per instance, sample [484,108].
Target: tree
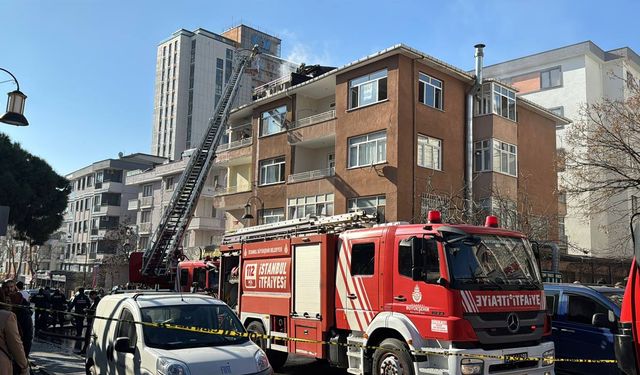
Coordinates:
[36,195]
[120,242]
[603,161]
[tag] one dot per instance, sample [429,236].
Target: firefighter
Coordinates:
[59,304]
[41,303]
[81,303]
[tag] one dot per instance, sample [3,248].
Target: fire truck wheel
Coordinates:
[392,357]
[277,358]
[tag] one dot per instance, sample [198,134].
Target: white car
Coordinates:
[121,347]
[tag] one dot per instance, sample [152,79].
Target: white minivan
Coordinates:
[122,347]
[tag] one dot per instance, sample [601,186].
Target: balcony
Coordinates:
[109,186]
[232,189]
[315,119]
[206,223]
[106,210]
[235,144]
[146,202]
[144,228]
[272,88]
[133,205]
[311,175]
[208,192]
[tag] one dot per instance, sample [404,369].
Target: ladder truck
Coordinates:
[157,265]
[392,298]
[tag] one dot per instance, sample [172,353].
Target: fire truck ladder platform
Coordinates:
[302,226]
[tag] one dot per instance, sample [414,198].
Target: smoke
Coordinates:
[310,53]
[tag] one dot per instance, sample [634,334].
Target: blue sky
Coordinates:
[88,66]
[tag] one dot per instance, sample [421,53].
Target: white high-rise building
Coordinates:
[564,80]
[191,71]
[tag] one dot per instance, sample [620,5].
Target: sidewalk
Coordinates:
[53,359]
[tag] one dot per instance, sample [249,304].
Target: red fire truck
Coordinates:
[391,298]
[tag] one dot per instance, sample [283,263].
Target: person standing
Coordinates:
[59,304]
[11,347]
[41,303]
[81,303]
[22,310]
[25,294]
[91,313]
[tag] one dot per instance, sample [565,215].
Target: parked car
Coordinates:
[122,347]
[584,320]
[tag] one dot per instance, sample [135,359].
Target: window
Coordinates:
[370,205]
[429,152]
[272,171]
[273,121]
[363,259]
[145,216]
[430,91]
[271,215]
[86,204]
[126,327]
[147,190]
[581,309]
[557,110]
[562,197]
[331,160]
[504,158]
[551,78]
[404,261]
[482,156]
[368,89]
[504,102]
[168,183]
[368,149]
[552,303]
[315,205]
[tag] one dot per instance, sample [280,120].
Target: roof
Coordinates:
[154,299]
[583,287]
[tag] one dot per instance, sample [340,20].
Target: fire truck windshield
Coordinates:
[202,316]
[493,262]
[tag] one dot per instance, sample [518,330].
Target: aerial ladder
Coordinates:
[161,257]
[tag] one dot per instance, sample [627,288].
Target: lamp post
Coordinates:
[15,105]
[247,208]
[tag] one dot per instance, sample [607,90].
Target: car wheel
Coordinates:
[277,358]
[392,357]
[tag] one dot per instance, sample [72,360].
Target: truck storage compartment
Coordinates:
[308,330]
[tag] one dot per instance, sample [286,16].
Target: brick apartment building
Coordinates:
[387,133]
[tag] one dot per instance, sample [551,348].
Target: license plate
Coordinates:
[515,357]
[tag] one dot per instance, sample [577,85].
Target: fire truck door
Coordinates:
[357,281]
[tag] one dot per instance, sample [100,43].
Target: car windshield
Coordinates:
[202,316]
[493,262]
[615,297]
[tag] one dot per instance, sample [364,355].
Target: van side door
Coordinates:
[126,363]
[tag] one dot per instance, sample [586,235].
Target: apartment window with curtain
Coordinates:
[429,152]
[314,205]
[367,149]
[505,158]
[147,190]
[272,171]
[370,205]
[271,215]
[368,89]
[430,91]
[273,121]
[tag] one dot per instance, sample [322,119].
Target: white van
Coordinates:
[121,347]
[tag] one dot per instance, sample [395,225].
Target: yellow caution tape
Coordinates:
[253,336]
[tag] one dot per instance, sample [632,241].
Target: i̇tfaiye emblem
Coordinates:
[416,295]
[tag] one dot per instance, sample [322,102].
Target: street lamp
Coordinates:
[15,105]
[247,208]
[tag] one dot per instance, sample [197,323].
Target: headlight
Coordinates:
[548,357]
[261,360]
[471,366]
[168,366]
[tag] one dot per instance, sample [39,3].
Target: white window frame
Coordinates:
[502,150]
[271,215]
[432,84]
[147,190]
[379,148]
[429,146]
[270,118]
[482,155]
[275,163]
[354,204]
[369,82]
[144,219]
[168,183]
[312,205]
[548,73]
[490,101]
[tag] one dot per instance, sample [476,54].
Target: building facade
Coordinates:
[98,203]
[386,134]
[564,80]
[155,188]
[192,69]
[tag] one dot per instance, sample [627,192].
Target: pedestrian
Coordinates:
[59,304]
[41,303]
[22,310]
[91,313]
[11,347]
[25,294]
[81,303]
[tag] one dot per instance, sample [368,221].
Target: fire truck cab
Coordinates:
[198,275]
[392,298]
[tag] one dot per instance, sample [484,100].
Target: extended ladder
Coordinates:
[164,251]
[302,226]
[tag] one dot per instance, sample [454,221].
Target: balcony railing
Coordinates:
[311,175]
[235,144]
[272,88]
[232,189]
[146,201]
[133,204]
[320,117]
[144,228]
